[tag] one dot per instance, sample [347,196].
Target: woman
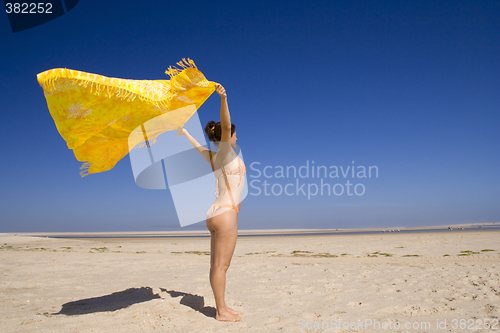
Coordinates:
[222,217]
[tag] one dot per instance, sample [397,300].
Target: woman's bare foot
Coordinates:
[227,316]
[234,311]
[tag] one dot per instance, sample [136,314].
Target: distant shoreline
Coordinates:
[262,232]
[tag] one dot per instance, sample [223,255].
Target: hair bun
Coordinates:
[213,131]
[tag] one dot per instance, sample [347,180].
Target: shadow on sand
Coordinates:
[123,299]
[195,302]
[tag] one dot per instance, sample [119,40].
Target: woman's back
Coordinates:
[229,171]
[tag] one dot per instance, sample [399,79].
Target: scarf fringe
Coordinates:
[173,71]
[51,85]
[148,143]
[85,167]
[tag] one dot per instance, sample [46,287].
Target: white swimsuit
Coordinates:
[229,169]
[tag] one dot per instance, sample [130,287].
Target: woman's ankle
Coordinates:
[222,309]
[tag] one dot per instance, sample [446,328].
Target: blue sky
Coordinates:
[409,87]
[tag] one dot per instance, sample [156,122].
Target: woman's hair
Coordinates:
[214,131]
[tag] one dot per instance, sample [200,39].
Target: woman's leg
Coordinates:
[212,248]
[223,243]
[212,257]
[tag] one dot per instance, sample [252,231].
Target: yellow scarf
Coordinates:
[95,114]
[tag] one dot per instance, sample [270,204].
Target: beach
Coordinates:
[402,282]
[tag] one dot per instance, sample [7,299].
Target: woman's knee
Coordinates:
[221,266]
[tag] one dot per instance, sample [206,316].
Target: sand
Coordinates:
[401,282]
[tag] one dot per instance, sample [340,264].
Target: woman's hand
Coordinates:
[181,131]
[220,90]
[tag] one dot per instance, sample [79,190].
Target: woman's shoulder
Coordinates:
[224,147]
[225,153]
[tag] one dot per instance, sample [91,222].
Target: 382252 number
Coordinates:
[29,8]
[472,324]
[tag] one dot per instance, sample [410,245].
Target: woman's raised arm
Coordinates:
[204,152]
[225,118]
